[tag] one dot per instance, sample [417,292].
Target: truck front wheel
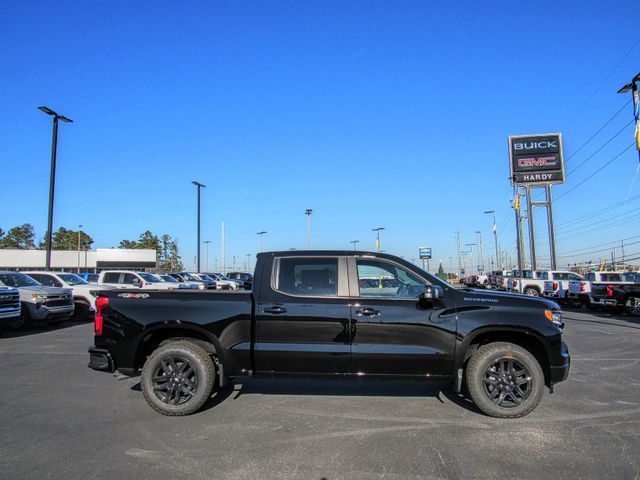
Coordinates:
[505,380]
[177,378]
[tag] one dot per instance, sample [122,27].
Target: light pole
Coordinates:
[261,239]
[248,263]
[207,242]
[308,212]
[378,230]
[470,252]
[198,186]
[480,248]
[79,227]
[52,178]
[495,234]
[633,87]
[355,242]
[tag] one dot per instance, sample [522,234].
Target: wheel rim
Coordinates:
[507,382]
[531,293]
[175,381]
[633,304]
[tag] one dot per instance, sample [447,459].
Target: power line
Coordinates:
[598,212]
[594,173]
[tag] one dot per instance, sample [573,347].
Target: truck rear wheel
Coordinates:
[505,380]
[632,306]
[177,378]
[531,292]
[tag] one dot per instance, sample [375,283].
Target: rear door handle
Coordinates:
[367,312]
[275,310]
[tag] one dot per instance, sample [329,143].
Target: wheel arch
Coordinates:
[523,338]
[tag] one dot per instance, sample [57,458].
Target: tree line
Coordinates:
[23,237]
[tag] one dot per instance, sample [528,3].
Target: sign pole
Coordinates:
[518,230]
[532,240]
[552,239]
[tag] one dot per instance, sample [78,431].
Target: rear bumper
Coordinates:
[100,359]
[559,373]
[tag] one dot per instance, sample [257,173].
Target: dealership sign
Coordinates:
[425,252]
[536,159]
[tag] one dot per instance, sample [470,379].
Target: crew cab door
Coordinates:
[393,333]
[303,317]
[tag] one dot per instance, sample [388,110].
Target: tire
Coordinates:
[23,321]
[632,306]
[177,378]
[81,312]
[505,380]
[531,292]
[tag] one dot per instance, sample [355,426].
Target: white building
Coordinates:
[87,261]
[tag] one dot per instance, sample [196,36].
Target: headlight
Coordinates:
[202,286]
[36,297]
[554,316]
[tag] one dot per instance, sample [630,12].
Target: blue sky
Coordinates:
[392,114]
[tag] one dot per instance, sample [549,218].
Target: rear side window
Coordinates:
[111,277]
[308,277]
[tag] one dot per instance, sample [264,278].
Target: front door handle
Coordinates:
[275,310]
[368,312]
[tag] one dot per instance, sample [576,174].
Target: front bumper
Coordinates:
[100,359]
[559,373]
[43,312]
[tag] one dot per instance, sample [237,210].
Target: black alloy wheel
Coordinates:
[177,378]
[504,380]
[632,306]
[507,383]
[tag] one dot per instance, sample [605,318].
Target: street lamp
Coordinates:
[355,242]
[79,227]
[307,212]
[198,186]
[633,87]
[207,242]
[248,263]
[378,230]
[261,239]
[495,233]
[52,178]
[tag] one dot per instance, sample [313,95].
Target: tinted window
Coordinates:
[308,276]
[383,279]
[111,277]
[130,279]
[591,277]
[574,276]
[47,280]
[545,275]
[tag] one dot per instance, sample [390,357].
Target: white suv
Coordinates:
[131,279]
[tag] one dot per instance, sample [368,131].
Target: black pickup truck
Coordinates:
[333,314]
[619,295]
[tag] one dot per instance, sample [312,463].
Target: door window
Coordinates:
[308,277]
[111,277]
[49,281]
[129,278]
[382,279]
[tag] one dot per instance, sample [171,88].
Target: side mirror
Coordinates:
[431,294]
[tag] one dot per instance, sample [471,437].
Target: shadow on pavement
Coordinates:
[42,327]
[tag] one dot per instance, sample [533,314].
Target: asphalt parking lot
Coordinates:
[60,419]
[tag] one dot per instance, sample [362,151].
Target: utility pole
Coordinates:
[458,245]
[261,233]
[622,246]
[308,212]
[248,263]
[495,234]
[633,87]
[198,186]
[207,242]
[223,261]
[451,264]
[79,228]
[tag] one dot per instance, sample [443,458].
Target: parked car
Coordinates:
[556,285]
[210,283]
[9,307]
[165,277]
[132,279]
[37,302]
[84,293]
[246,278]
[580,290]
[308,316]
[232,284]
[619,295]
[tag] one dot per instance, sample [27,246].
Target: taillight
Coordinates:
[515,283]
[101,303]
[609,290]
[583,287]
[555,285]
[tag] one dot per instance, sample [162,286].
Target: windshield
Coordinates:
[205,278]
[168,279]
[188,276]
[72,279]
[17,280]
[147,277]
